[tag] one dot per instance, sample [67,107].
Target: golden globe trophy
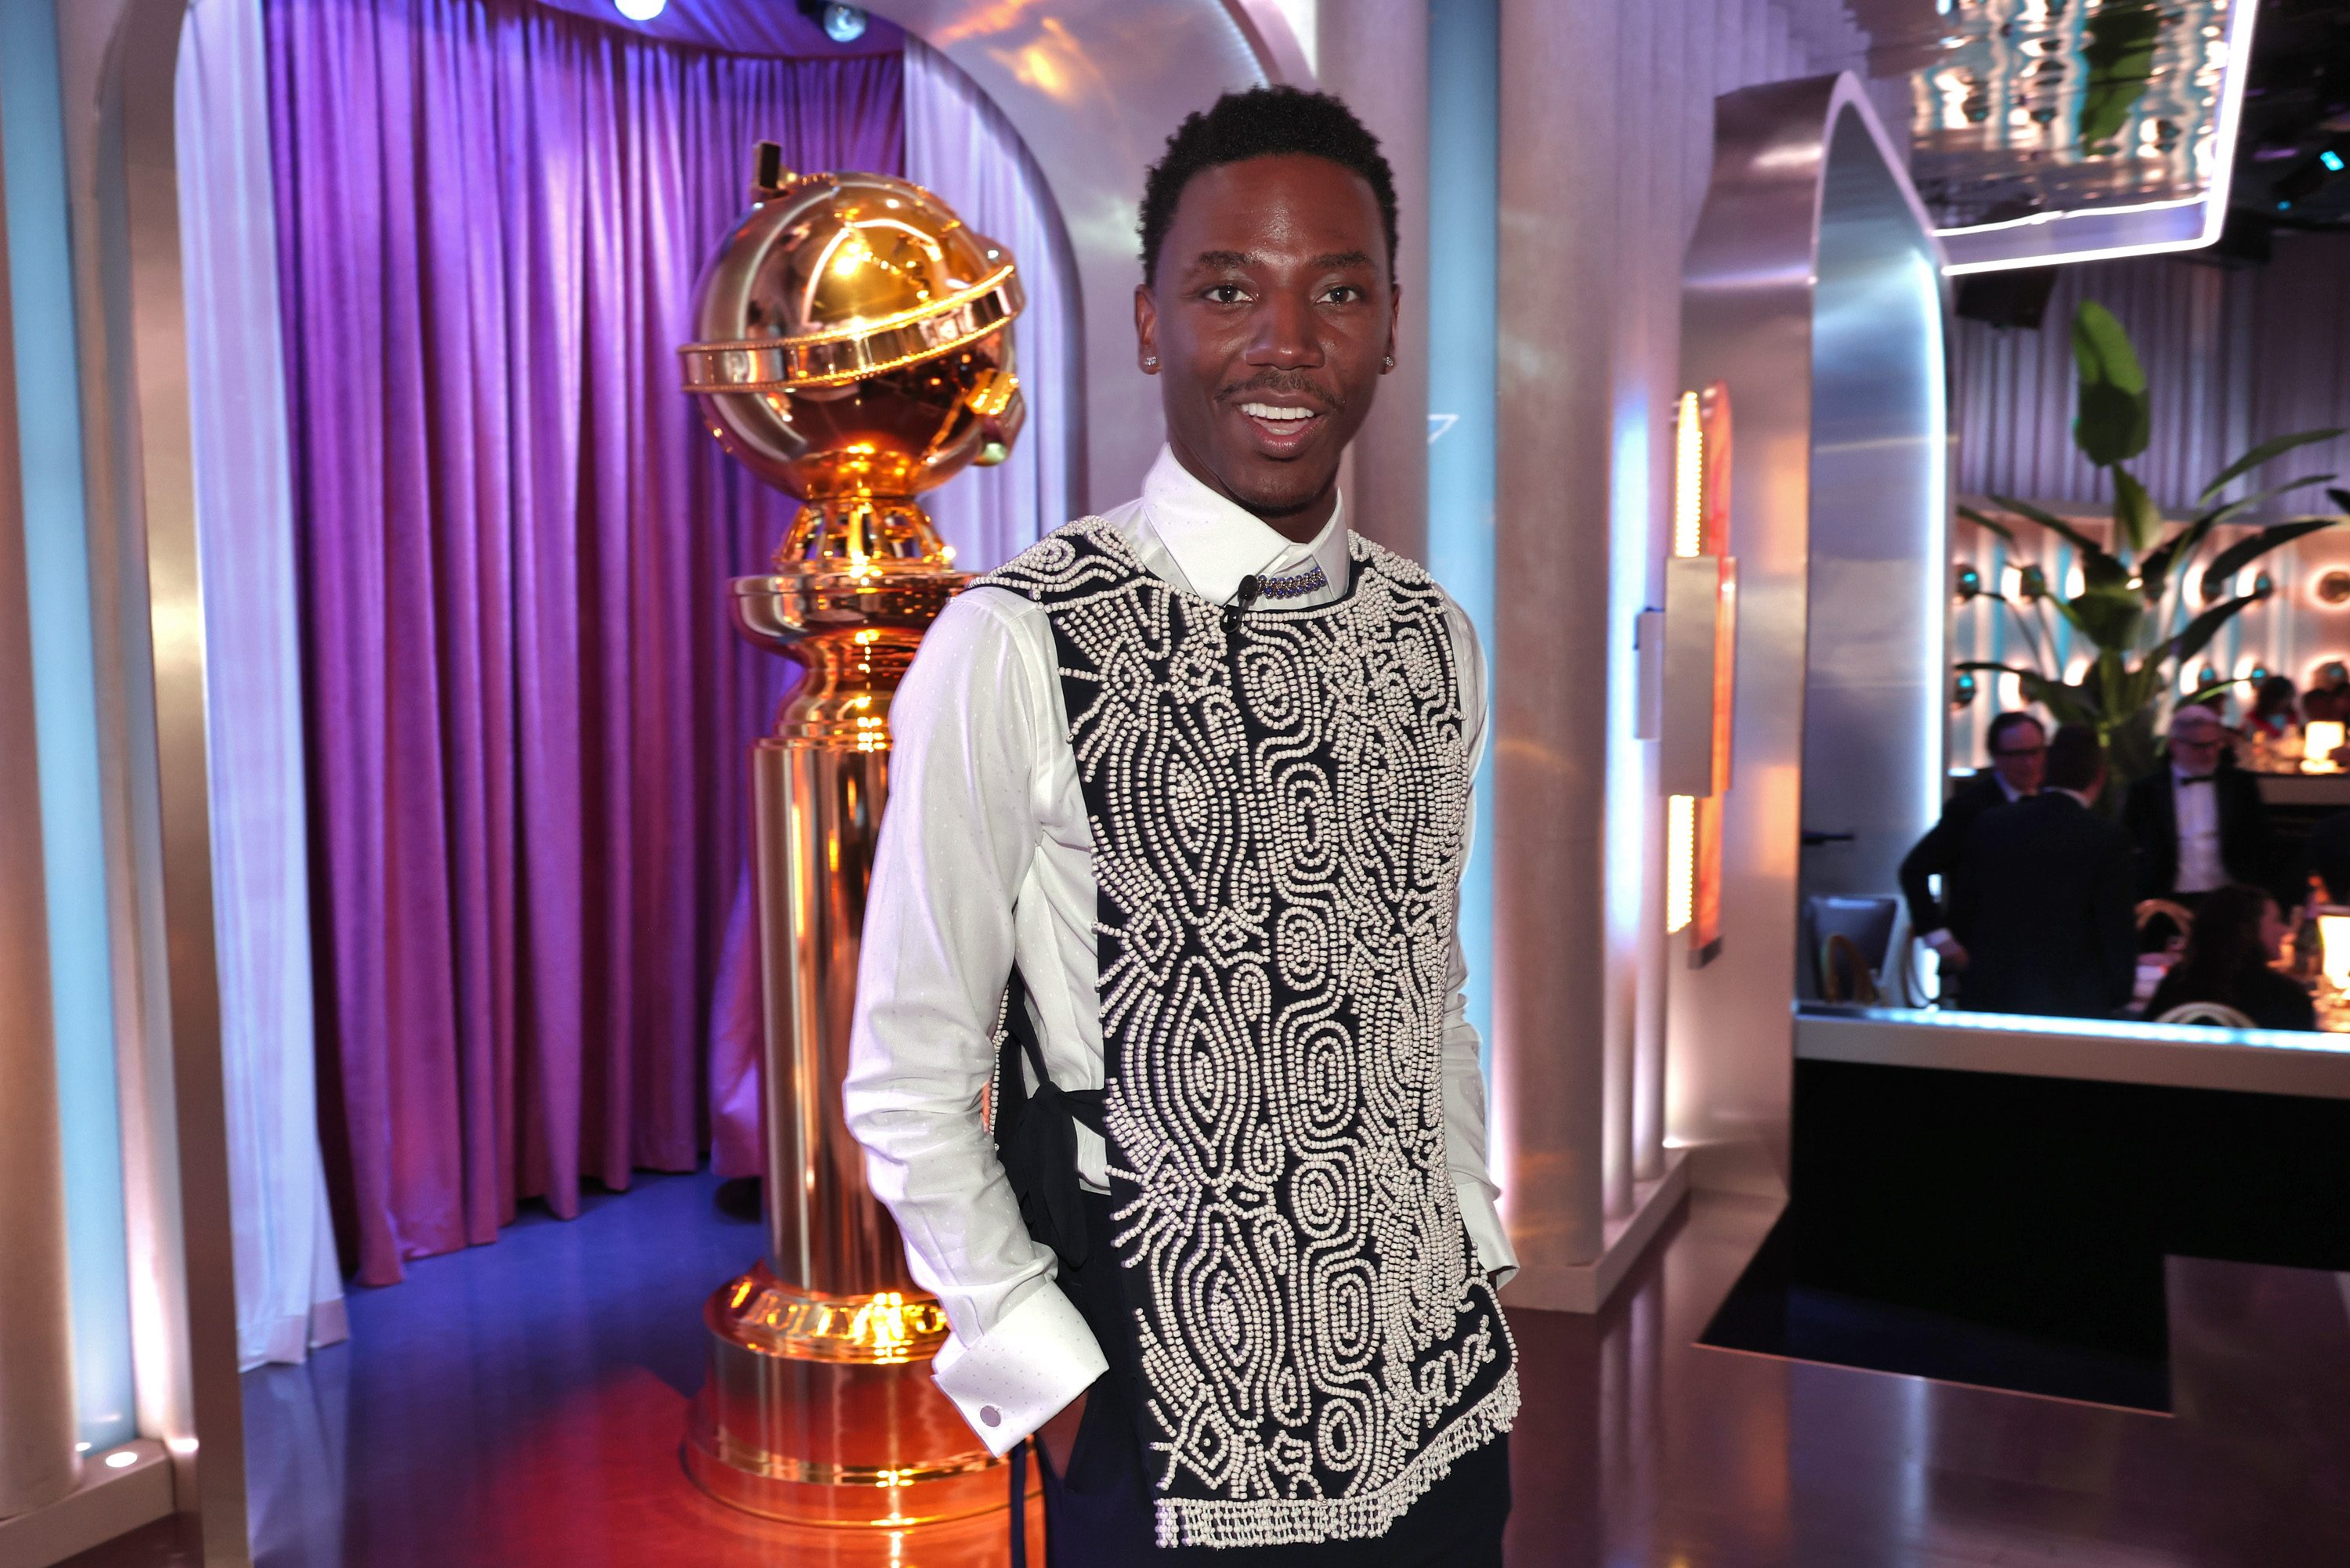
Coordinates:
[855,350]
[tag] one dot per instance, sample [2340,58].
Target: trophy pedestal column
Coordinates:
[819,1406]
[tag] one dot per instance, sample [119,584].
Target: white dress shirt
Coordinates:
[2196,809]
[985,858]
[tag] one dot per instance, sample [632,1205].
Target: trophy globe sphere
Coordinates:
[854,349]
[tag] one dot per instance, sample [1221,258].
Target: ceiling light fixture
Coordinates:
[841,24]
[641,10]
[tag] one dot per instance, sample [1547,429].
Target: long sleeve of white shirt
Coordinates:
[957,842]
[985,858]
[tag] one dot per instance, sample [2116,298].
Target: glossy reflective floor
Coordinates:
[521,1405]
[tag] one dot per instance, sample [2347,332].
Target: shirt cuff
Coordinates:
[1491,1238]
[1024,1372]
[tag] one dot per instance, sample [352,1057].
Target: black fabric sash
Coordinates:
[1036,1134]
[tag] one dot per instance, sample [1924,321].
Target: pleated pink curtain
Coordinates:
[526,709]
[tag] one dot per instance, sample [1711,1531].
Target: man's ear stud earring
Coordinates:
[1389,361]
[1152,361]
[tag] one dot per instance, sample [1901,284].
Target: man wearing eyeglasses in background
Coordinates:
[2019,757]
[2199,823]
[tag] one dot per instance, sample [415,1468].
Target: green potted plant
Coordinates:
[2134,607]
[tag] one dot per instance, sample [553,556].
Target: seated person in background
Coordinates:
[2275,715]
[2237,931]
[2018,751]
[2198,823]
[2044,895]
[2329,694]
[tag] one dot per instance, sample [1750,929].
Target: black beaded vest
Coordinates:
[1278,801]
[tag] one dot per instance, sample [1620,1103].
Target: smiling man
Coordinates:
[1179,805]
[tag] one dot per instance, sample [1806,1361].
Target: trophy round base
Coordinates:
[820,1410]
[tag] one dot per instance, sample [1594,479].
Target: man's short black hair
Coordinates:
[2074,758]
[2013,718]
[1259,123]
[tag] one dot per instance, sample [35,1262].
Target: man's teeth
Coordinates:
[1267,412]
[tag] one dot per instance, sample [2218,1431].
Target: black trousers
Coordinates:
[1100,1514]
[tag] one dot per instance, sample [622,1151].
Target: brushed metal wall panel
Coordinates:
[1812,289]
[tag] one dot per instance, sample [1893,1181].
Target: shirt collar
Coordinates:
[2075,794]
[1216,542]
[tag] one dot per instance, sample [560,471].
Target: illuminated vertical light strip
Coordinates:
[1689,511]
[1689,477]
[1680,863]
[39,280]
[1934,610]
[1463,195]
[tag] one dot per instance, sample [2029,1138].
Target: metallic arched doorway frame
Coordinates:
[1093,89]
[1813,289]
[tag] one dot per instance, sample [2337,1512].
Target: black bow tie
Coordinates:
[2197,778]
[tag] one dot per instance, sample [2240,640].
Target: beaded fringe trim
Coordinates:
[1299,1521]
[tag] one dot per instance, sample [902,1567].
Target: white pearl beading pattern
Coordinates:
[1278,818]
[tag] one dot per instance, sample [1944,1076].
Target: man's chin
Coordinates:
[1281,493]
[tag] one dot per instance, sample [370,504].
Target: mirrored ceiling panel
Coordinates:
[2046,130]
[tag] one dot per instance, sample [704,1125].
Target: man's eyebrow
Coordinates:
[1222,258]
[1337,259]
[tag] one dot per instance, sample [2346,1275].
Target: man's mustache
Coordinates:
[1291,384]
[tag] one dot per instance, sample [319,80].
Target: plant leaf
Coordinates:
[2115,421]
[2136,519]
[2212,690]
[2119,56]
[2230,511]
[2098,566]
[2110,614]
[2258,455]
[1982,520]
[2200,631]
[2154,572]
[2144,683]
[2251,547]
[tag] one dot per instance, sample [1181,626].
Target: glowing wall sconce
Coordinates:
[1699,670]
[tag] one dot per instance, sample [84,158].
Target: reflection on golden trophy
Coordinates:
[855,351]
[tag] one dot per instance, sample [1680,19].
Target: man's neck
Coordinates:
[1298,525]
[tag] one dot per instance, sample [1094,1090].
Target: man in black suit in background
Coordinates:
[2199,823]
[2044,894]
[2019,754]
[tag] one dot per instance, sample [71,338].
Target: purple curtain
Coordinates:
[526,709]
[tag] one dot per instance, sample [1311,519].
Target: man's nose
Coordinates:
[1285,333]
